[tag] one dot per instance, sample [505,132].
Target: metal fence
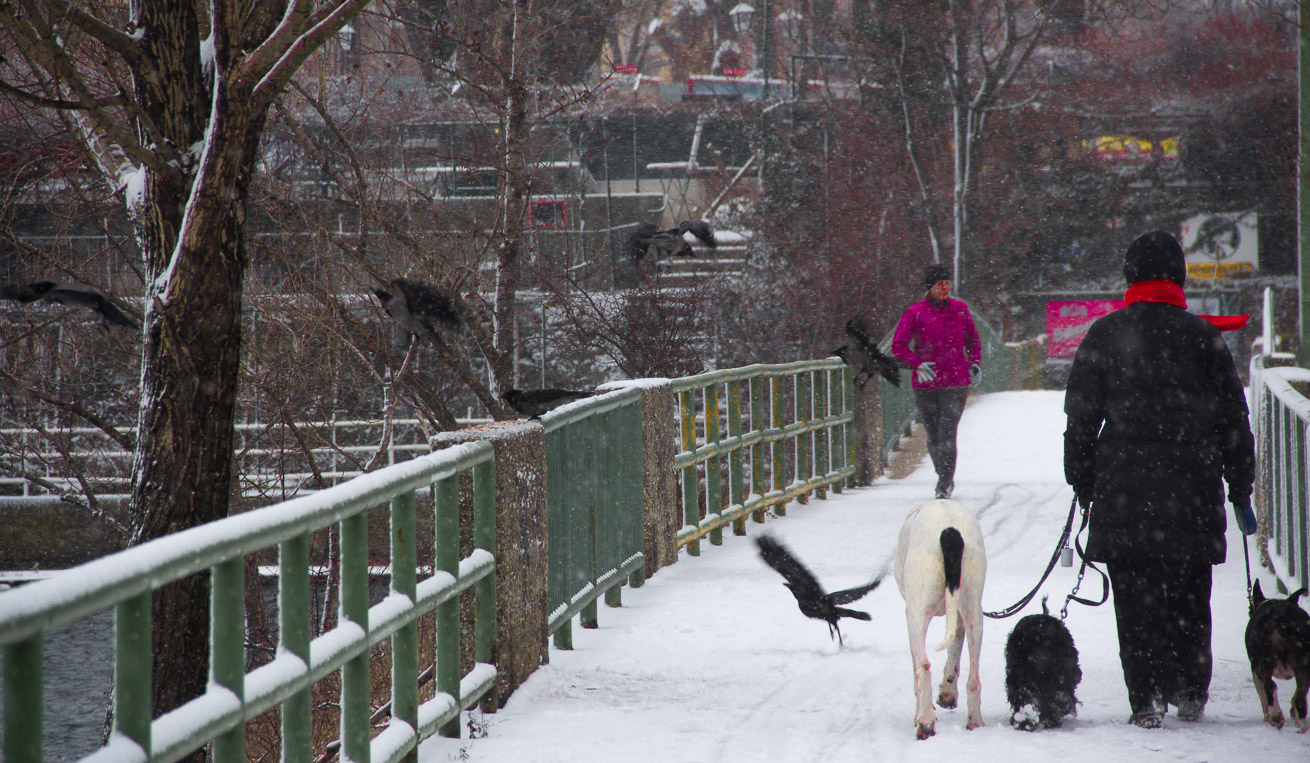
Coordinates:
[125,582]
[1280,418]
[783,430]
[594,503]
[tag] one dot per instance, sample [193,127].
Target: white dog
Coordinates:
[940,568]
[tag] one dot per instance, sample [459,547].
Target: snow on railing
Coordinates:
[1280,419]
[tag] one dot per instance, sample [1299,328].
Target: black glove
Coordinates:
[1245,519]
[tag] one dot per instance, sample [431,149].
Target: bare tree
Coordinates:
[171,98]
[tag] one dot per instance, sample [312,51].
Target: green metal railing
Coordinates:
[1280,418]
[898,408]
[783,430]
[125,582]
[595,504]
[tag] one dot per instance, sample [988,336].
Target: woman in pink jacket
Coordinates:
[936,337]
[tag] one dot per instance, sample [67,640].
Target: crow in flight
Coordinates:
[534,402]
[805,587]
[70,295]
[861,353]
[647,239]
[419,308]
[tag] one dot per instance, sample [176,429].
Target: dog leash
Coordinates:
[1064,539]
[1105,579]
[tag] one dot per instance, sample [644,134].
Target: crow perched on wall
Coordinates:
[534,402]
[648,240]
[70,295]
[805,587]
[861,353]
[418,307]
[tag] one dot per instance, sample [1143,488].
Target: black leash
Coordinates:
[1064,539]
[1073,595]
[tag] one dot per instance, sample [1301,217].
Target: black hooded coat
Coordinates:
[1157,421]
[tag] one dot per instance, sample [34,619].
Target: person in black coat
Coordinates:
[1157,422]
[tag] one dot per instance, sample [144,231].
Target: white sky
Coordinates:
[711,661]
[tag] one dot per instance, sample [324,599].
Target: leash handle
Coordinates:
[1105,579]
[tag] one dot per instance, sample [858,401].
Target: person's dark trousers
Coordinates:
[1162,609]
[940,410]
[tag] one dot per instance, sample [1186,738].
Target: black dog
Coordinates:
[1278,645]
[1041,672]
[861,353]
[534,402]
[805,587]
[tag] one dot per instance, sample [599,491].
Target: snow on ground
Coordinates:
[711,661]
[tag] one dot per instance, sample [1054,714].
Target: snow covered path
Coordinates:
[711,661]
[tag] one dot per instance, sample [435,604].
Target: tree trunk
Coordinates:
[514,213]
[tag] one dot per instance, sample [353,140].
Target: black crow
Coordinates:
[70,295]
[419,308]
[534,402]
[861,353]
[647,239]
[805,587]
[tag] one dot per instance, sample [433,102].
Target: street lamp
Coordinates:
[742,14]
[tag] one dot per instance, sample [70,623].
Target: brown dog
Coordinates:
[1278,644]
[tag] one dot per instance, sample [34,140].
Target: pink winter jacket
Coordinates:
[944,335]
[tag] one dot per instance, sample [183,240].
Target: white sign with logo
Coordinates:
[1218,245]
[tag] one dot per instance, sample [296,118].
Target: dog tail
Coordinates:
[952,564]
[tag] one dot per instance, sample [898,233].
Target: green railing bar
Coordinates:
[820,409]
[59,600]
[591,499]
[447,626]
[132,667]
[564,613]
[24,701]
[690,496]
[704,452]
[355,684]
[293,637]
[404,642]
[689,533]
[777,447]
[736,470]
[713,467]
[837,402]
[803,404]
[484,539]
[757,370]
[227,650]
[848,390]
[758,423]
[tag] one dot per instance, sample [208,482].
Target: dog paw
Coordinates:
[1025,718]
[924,730]
[1274,718]
[974,723]
[947,701]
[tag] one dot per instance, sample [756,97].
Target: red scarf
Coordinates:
[1172,294]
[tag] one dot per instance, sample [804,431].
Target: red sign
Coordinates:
[735,71]
[625,68]
[1067,323]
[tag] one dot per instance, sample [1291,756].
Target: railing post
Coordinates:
[447,614]
[24,702]
[713,469]
[690,496]
[132,666]
[850,435]
[822,464]
[779,446]
[404,642]
[836,404]
[804,406]
[355,687]
[736,477]
[293,636]
[227,648]
[758,424]
[484,537]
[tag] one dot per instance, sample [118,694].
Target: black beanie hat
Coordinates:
[1155,256]
[934,273]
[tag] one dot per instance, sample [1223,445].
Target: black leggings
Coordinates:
[1162,609]
[940,410]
